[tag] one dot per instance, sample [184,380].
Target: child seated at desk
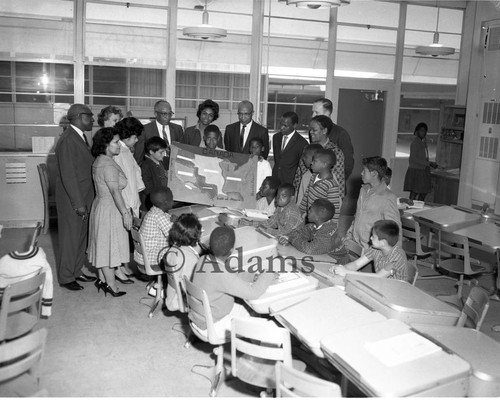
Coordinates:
[263,167]
[223,285]
[388,258]
[182,254]
[211,136]
[267,194]
[319,235]
[322,184]
[307,158]
[155,228]
[153,170]
[287,216]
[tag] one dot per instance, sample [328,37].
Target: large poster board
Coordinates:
[212,177]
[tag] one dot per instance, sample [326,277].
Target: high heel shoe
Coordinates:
[107,289]
[124,281]
[99,285]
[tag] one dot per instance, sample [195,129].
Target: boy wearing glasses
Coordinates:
[237,136]
[161,127]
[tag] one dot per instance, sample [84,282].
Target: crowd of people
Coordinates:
[101,190]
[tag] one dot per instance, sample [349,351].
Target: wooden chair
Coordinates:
[453,254]
[147,269]
[20,307]
[20,365]
[43,173]
[414,248]
[256,346]
[475,308]
[293,383]
[412,271]
[199,310]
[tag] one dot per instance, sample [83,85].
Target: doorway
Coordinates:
[361,113]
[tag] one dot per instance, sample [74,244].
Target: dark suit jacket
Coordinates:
[341,138]
[232,138]
[192,136]
[74,185]
[151,130]
[286,162]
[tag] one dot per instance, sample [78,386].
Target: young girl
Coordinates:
[182,255]
[418,175]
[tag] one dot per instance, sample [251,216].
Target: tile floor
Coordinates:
[107,347]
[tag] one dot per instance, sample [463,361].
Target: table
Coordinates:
[321,313]
[446,218]
[485,236]
[478,349]
[435,373]
[401,300]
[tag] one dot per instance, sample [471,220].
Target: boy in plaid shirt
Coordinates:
[388,258]
[319,235]
[155,227]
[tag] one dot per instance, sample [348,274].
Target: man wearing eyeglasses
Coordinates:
[74,196]
[161,127]
[238,135]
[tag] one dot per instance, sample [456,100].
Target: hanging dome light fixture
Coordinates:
[204,31]
[312,4]
[435,49]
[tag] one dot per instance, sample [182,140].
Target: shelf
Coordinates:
[449,140]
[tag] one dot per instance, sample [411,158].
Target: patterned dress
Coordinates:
[108,239]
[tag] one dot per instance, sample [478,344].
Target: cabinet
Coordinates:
[449,155]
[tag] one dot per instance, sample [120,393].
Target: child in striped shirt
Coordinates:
[322,185]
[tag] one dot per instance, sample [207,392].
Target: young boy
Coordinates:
[388,258]
[307,158]
[155,226]
[319,235]
[211,137]
[287,216]
[263,167]
[322,184]
[154,173]
[375,202]
[223,285]
[267,194]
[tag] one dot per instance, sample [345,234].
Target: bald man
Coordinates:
[74,196]
[338,135]
[238,135]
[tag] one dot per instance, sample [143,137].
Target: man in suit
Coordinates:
[287,147]
[74,196]
[238,135]
[338,135]
[161,127]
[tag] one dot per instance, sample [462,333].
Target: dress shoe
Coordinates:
[124,281]
[86,278]
[72,286]
[99,285]
[107,289]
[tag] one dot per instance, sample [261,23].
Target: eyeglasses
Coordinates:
[89,114]
[165,114]
[240,114]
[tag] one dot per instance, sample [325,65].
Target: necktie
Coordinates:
[242,136]
[283,144]
[165,135]
[85,139]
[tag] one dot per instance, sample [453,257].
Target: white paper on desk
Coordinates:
[401,349]
[251,213]
[287,280]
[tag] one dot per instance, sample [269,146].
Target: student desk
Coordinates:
[478,349]
[436,373]
[321,313]
[446,218]
[400,300]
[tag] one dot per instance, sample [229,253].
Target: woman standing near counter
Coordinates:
[418,175]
